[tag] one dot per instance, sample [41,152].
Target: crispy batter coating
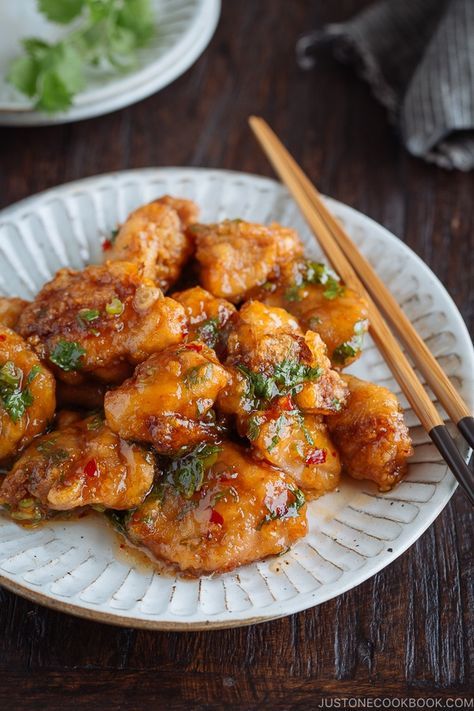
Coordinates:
[112,316]
[298,444]
[207,316]
[337,313]
[268,355]
[155,238]
[370,434]
[82,463]
[27,394]
[235,256]
[10,310]
[241,511]
[168,399]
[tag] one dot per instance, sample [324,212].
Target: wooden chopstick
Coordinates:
[383,337]
[424,359]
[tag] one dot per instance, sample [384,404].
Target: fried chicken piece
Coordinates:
[269,356]
[231,511]
[155,238]
[235,256]
[83,463]
[322,304]
[10,310]
[207,316]
[27,394]
[168,400]
[298,444]
[370,434]
[100,322]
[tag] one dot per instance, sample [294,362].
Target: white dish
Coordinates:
[184,28]
[78,567]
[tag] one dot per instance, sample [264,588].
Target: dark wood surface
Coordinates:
[405,631]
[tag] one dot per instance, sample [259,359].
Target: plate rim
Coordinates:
[88,611]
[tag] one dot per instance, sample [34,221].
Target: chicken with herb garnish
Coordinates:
[82,463]
[269,356]
[217,509]
[100,322]
[168,400]
[155,238]
[207,316]
[321,303]
[370,434]
[234,256]
[27,394]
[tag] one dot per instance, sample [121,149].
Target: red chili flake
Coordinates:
[194,347]
[286,403]
[216,518]
[91,468]
[3,337]
[106,245]
[122,545]
[317,456]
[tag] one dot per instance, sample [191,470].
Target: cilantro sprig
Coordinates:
[186,474]
[106,33]
[287,378]
[15,398]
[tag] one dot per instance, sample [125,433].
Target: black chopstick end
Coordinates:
[445,444]
[466,427]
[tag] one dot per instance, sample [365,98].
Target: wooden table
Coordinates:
[405,631]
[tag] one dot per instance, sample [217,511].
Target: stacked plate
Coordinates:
[184,28]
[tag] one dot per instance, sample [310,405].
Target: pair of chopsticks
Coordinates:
[358,274]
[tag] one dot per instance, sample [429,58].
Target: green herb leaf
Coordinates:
[67,355]
[86,316]
[208,331]
[197,375]
[36,369]
[344,352]
[289,511]
[14,400]
[293,293]
[187,473]
[333,289]
[61,11]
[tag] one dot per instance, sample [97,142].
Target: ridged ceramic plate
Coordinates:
[183,30]
[79,567]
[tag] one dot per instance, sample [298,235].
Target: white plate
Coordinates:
[184,28]
[78,567]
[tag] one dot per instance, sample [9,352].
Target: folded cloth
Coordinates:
[418,57]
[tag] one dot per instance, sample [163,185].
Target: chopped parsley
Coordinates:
[197,375]
[253,427]
[15,400]
[284,512]
[318,273]
[67,355]
[186,474]
[36,369]
[208,331]
[333,289]
[54,454]
[287,378]
[351,348]
[293,293]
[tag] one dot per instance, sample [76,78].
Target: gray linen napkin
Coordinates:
[418,57]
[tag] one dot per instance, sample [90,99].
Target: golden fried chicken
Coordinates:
[100,322]
[296,443]
[27,394]
[217,509]
[10,310]
[207,316]
[155,238]
[370,434]
[83,463]
[235,256]
[268,356]
[310,292]
[168,400]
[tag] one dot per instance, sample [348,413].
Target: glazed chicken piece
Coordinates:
[310,292]
[10,310]
[218,509]
[155,238]
[27,394]
[370,434]
[100,322]
[83,463]
[298,444]
[234,256]
[268,356]
[168,400]
[207,316]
